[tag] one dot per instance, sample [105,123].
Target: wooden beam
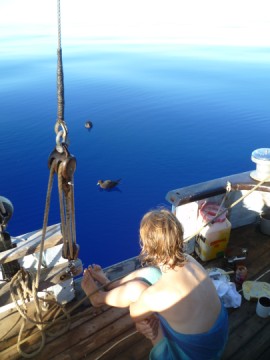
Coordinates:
[207,189]
[32,244]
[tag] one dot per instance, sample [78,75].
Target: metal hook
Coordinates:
[60,127]
[59,141]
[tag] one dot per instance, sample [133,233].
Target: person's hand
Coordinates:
[148,327]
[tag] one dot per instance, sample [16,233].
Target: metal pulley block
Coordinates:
[6,211]
[11,268]
[58,156]
[69,167]
[75,248]
[68,161]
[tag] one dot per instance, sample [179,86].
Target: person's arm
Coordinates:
[99,275]
[122,296]
[112,284]
[125,294]
[142,308]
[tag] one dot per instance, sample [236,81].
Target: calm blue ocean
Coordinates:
[165,116]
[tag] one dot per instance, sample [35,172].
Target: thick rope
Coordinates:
[20,291]
[60,73]
[68,224]
[62,209]
[67,213]
[59,23]
[45,220]
[73,223]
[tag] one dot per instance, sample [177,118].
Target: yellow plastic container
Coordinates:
[213,239]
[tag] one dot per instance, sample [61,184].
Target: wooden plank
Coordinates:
[258,246]
[240,315]
[113,349]
[243,334]
[11,351]
[265,355]
[87,335]
[32,244]
[9,331]
[257,346]
[139,350]
[10,325]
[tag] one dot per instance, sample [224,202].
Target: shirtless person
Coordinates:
[193,323]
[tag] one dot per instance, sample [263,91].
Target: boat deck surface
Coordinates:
[109,333]
[249,335]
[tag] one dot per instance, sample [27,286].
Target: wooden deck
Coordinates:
[109,333]
[249,335]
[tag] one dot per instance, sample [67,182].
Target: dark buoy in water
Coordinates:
[88,124]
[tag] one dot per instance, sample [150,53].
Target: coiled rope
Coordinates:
[22,292]
[24,286]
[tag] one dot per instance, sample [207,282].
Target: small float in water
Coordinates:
[88,124]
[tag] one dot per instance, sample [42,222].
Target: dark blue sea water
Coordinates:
[165,116]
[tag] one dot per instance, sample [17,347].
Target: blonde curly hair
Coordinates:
[161,239]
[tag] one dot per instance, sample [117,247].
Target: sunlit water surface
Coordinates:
[165,116]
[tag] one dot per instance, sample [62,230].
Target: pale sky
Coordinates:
[219,22]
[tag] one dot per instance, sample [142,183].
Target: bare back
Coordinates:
[184,294]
